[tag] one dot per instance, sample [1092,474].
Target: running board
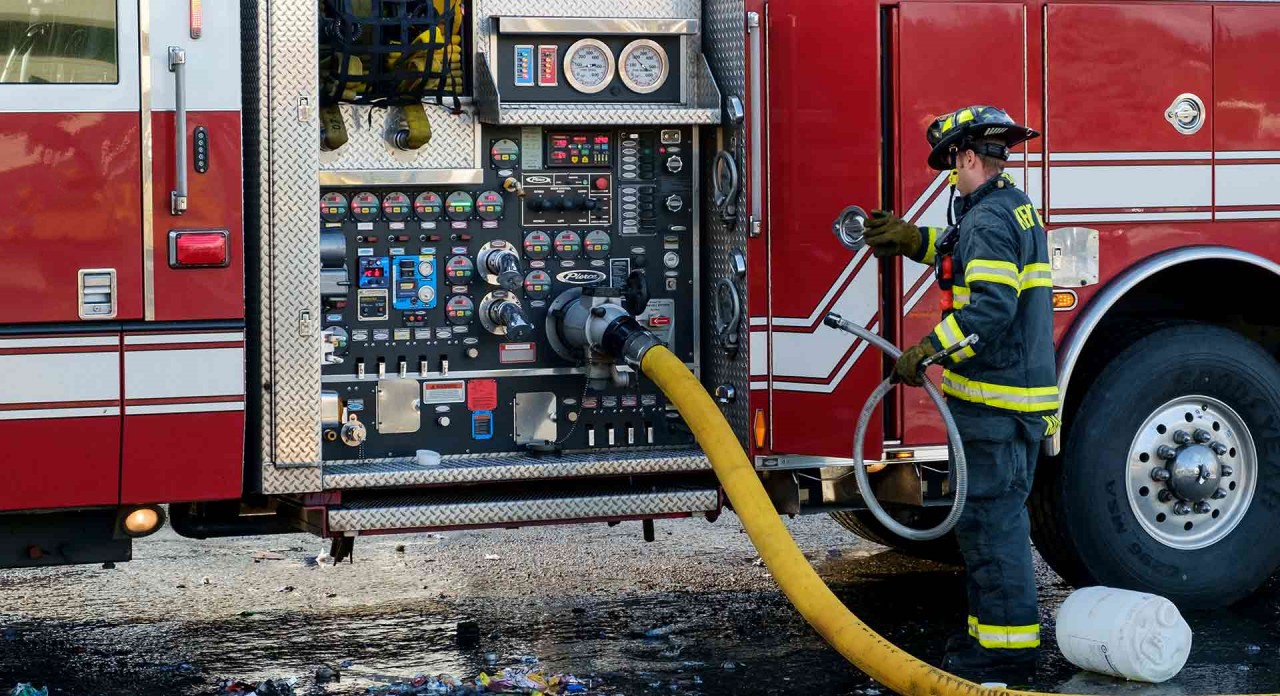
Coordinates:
[403,472]
[455,509]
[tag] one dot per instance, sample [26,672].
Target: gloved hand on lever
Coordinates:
[890,235]
[908,369]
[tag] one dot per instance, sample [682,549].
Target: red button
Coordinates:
[602,183]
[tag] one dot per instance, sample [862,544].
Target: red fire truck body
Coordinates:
[176,332]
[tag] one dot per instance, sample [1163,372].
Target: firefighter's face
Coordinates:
[970,173]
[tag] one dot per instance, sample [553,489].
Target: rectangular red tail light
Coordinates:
[199,249]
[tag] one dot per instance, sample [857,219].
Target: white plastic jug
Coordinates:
[1123,633]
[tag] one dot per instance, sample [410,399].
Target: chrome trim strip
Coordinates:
[413,177]
[155,339]
[46,413]
[209,407]
[148,191]
[69,342]
[595,25]
[1073,343]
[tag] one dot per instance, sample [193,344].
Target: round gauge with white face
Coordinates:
[588,66]
[643,66]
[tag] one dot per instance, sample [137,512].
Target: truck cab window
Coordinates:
[58,42]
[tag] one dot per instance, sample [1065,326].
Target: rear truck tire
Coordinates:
[1169,481]
[941,550]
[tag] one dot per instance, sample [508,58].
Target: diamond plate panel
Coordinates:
[455,142]
[289,256]
[406,472]
[702,100]
[492,510]
[724,42]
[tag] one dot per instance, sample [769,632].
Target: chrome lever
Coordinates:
[177,66]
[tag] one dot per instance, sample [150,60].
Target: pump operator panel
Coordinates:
[436,299]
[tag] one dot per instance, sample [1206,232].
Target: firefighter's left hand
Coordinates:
[908,367]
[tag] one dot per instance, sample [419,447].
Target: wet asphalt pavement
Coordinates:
[692,613]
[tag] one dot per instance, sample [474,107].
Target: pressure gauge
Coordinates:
[644,66]
[588,66]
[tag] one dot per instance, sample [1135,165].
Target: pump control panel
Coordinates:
[453,287]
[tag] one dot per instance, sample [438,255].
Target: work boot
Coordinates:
[979,664]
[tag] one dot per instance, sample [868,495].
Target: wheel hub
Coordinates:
[1192,472]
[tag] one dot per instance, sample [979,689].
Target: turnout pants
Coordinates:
[994,530]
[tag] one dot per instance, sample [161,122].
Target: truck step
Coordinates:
[484,508]
[396,473]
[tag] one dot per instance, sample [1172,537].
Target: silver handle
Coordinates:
[177,66]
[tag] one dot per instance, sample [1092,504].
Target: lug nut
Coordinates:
[1226,470]
[1165,495]
[1160,474]
[1181,437]
[1181,508]
[1219,494]
[1202,508]
[1218,448]
[1202,436]
[1166,452]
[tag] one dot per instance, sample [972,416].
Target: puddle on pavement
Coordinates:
[669,643]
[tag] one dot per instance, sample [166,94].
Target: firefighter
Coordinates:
[993,267]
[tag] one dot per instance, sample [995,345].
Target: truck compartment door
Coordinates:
[937,75]
[1115,158]
[70,161]
[823,127]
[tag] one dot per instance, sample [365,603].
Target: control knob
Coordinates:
[501,265]
[675,164]
[675,202]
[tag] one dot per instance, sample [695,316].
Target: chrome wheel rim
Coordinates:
[1192,472]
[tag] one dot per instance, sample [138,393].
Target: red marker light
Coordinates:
[205,249]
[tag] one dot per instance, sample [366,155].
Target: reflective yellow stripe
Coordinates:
[1021,399]
[931,245]
[965,116]
[973,626]
[982,270]
[1009,636]
[948,124]
[1052,424]
[949,334]
[960,296]
[1036,275]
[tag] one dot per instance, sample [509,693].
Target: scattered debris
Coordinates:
[1253,649]
[108,566]
[182,587]
[326,674]
[330,595]
[660,631]
[268,687]
[206,580]
[346,663]
[324,558]
[491,658]
[759,563]
[492,557]
[267,556]
[286,588]
[24,689]
[529,659]
[729,665]
[399,548]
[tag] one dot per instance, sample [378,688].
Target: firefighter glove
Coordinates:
[908,369]
[890,235]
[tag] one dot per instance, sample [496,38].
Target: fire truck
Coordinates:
[286,265]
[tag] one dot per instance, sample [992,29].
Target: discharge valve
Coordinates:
[502,315]
[500,264]
[593,326]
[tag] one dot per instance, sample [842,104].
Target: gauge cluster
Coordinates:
[619,68]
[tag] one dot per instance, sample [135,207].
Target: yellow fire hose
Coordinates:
[857,642]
